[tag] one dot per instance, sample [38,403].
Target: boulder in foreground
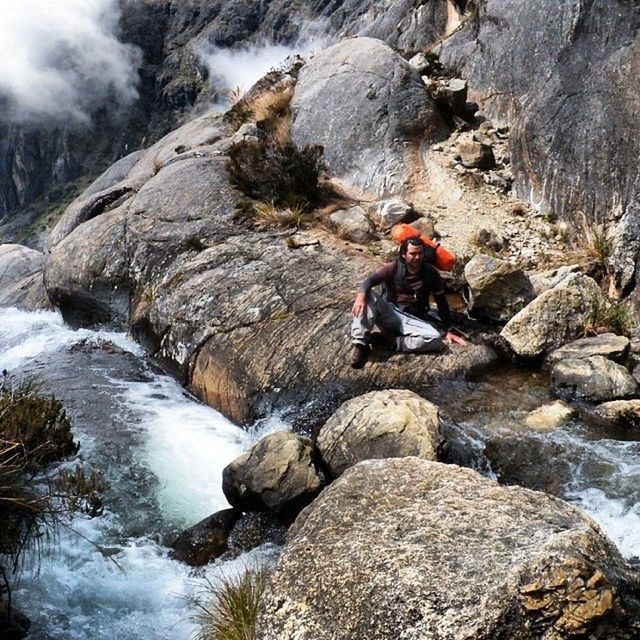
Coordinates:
[395,423]
[411,549]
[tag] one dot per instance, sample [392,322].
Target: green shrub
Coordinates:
[81,490]
[37,423]
[615,317]
[279,173]
[228,610]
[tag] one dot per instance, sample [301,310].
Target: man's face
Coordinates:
[414,255]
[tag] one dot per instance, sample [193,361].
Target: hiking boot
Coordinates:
[360,355]
[383,341]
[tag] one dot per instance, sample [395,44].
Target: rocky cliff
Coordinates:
[562,85]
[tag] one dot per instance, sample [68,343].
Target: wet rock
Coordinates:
[386,213]
[254,529]
[608,345]
[550,416]
[278,473]
[498,288]
[353,224]
[14,625]
[436,550]
[554,318]
[381,424]
[475,154]
[21,278]
[596,379]
[207,540]
[362,80]
[619,413]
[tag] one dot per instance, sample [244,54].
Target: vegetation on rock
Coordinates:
[227,610]
[34,431]
[279,173]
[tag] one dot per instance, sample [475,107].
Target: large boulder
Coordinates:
[21,278]
[382,424]
[368,107]
[596,379]
[279,473]
[607,345]
[498,289]
[222,306]
[555,317]
[437,551]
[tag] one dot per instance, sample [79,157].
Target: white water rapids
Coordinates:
[162,453]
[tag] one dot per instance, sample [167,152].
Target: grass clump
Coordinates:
[37,423]
[591,239]
[282,174]
[227,610]
[613,317]
[193,243]
[270,110]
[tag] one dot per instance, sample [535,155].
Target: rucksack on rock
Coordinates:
[440,257]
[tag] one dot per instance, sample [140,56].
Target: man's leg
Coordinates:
[362,326]
[417,336]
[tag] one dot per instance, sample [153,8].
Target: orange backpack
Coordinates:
[443,259]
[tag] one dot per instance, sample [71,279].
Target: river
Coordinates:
[162,454]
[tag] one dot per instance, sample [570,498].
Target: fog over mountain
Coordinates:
[61,60]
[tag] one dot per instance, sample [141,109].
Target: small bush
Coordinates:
[36,422]
[228,610]
[280,173]
[82,490]
[615,317]
[591,239]
[193,243]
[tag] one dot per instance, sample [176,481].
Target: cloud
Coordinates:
[232,69]
[61,59]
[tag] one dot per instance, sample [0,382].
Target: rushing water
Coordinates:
[596,469]
[162,454]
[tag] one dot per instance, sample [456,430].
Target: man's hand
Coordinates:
[359,305]
[452,338]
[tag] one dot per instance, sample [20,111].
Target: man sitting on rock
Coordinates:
[407,283]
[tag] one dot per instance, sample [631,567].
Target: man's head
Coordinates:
[412,252]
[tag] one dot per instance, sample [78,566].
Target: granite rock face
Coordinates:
[557,74]
[394,423]
[21,278]
[368,108]
[435,550]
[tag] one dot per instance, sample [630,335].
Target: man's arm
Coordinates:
[367,284]
[445,313]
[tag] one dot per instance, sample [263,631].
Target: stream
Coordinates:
[162,454]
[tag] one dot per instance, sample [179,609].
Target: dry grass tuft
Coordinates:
[228,610]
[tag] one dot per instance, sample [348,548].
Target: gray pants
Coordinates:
[413,334]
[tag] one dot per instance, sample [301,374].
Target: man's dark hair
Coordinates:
[412,241]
